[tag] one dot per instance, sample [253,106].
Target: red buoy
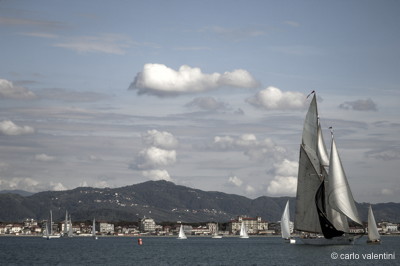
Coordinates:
[139,241]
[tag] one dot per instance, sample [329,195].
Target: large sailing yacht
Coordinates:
[324,202]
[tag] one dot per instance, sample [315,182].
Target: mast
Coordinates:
[51,222]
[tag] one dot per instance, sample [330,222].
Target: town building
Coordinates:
[147,225]
[106,228]
[253,225]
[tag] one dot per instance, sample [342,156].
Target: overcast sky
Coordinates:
[206,94]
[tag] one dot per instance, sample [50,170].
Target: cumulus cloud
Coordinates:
[160,139]
[285,180]
[162,81]
[234,180]
[157,174]
[207,103]
[8,127]
[273,98]
[283,185]
[10,91]
[44,157]
[29,184]
[359,105]
[18,183]
[252,147]
[153,157]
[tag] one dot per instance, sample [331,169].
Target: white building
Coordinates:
[253,225]
[147,225]
[106,228]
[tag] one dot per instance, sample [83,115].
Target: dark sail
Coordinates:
[328,229]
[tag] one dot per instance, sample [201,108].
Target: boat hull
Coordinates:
[321,241]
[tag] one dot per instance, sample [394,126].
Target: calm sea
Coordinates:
[193,251]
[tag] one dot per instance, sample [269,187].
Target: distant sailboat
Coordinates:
[49,232]
[216,235]
[181,233]
[66,224]
[285,225]
[94,229]
[243,231]
[324,201]
[70,229]
[373,234]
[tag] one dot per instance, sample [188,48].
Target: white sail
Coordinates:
[243,231]
[373,234]
[181,233]
[66,224]
[94,227]
[340,197]
[285,222]
[70,229]
[322,153]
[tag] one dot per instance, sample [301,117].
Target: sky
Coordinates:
[207,94]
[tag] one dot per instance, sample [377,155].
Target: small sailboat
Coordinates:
[373,234]
[94,229]
[181,233]
[49,232]
[70,229]
[324,201]
[243,231]
[216,235]
[285,225]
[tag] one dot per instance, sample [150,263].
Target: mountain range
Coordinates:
[160,200]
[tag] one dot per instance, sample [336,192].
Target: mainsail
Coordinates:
[309,174]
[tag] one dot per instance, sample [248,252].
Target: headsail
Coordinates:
[340,197]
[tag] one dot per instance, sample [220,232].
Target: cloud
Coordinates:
[160,139]
[273,98]
[70,95]
[153,157]
[283,186]
[157,174]
[44,158]
[10,91]
[162,81]
[29,184]
[105,43]
[285,180]
[388,154]
[250,145]
[8,128]
[359,105]
[234,180]
[207,103]
[292,23]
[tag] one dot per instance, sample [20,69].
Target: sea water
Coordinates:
[192,251]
